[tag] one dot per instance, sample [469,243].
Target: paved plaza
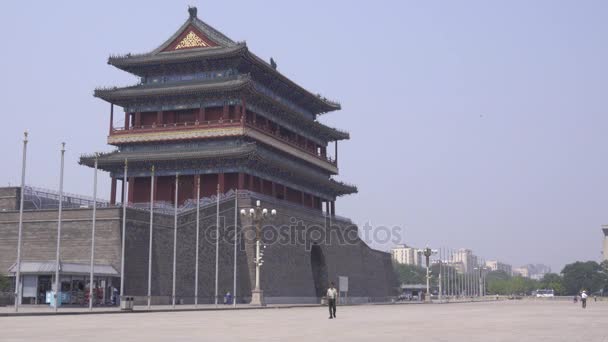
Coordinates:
[490,321]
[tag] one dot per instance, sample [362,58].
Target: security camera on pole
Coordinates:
[258,215]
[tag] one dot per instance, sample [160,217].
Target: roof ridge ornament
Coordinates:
[192,10]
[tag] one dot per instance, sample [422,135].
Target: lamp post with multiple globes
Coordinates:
[258,215]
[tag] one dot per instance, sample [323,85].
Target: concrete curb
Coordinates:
[141,311]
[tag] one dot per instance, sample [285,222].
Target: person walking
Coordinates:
[584,299]
[332,296]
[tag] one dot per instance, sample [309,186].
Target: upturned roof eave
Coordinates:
[125,93]
[132,64]
[109,161]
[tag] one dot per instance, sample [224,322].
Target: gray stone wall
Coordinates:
[9,198]
[287,273]
[39,239]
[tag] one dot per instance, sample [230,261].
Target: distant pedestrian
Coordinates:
[332,296]
[594,298]
[228,298]
[575,299]
[584,299]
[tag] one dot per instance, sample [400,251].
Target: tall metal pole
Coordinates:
[217,240]
[57,256]
[151,238]
[427,298]
[18,274]
[480,282]
[175,239]
[439,280]
[124,231]
[198,213]
[470,282]
[236,242]
[467,281]
[449,273]
[92,275]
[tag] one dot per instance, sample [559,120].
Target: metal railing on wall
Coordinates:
[36,198]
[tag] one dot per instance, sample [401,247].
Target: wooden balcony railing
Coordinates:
[310,150]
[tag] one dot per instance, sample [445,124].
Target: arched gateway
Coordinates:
[319,270]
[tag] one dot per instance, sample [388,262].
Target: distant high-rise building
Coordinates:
[407,255]
[537,271]
[521,271]
[496,265]
[464,260]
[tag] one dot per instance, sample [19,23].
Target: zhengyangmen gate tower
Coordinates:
[207,107]
[208,116]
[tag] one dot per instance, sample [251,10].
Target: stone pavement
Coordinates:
[489,321]
[45,310]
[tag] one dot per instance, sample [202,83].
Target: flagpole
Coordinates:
[124,230]
[236,240]
[198,218]
[150,238]
[440,280]
[57,289]
[175,238]
[217,240]
[92,273]
[18,273]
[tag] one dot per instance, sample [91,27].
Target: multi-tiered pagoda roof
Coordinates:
[206,104]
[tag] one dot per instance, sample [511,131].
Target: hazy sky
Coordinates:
[476,124]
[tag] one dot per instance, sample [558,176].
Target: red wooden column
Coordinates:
[127,120]
[243,111]
[274,189]
[312,201]
[221,181]
[333,208]
[241,181]
[302,197]
[131,188]
[113,192]
[137,119]
[159,118]
[201,114]
[251,182]
[224,112]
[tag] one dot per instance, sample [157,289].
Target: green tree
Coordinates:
[410,274]
[588,275]
[497,275]
[501,283]
[553,281]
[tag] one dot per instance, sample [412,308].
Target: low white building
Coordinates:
[496,265]
[407,255]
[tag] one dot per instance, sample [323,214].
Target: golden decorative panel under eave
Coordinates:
[191,40]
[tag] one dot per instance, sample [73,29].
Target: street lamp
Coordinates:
[258,215]
[427,252]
